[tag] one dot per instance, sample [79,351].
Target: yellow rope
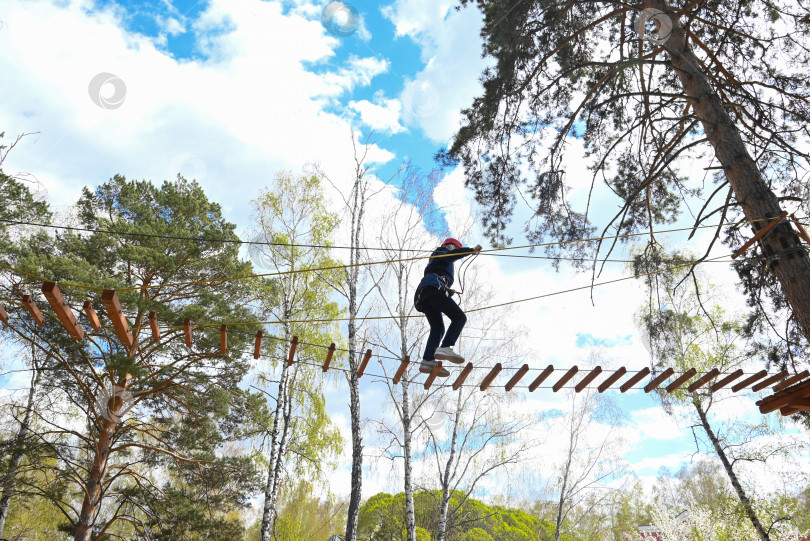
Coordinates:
[41,279]
[239,324]
[336,267]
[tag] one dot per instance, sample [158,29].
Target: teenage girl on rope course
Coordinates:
[433,298]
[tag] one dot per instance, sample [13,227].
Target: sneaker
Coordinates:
[447,354]
[427,367]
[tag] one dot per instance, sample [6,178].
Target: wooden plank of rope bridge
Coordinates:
[433,374]
[111,303]
[773,379]
[329,354]
[759,234]
[491,376]
[33,310]
[726,380]
[565,378]
[658,380]
[363,364]
[796,405]
[791,380]
[802,233]
[223,340]
[587,379]
[293,347]
[703,380]
[802,403]
[91,315]
[680,380]
[3,315]
[187,331]
[635,379]
[463,376]
[541,378]
[63,311]
[749,380]
[605,385]
[782,398]
[257,346]
[518,375]
[153,324]
[402,367]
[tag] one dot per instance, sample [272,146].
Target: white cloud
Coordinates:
[655,424]
[415,17]
[433,99]
[251,109]
[382,116]
[358,72]
[671,462]
[170,25]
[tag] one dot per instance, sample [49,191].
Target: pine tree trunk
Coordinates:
[750,189]
[746,503]
[18,450]
[94,484]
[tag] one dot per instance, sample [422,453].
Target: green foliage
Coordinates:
[630,511]
[290,216]
[187,402]
[32,514]
[382,518]
[302,515]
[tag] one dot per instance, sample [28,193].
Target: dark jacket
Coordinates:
[443,266]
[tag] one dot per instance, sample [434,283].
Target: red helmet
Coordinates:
[452,241]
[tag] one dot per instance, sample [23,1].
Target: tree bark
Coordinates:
[446,478]
[750,189]
[410,510]
[352,275]
[95,483]
[566,472]
[746,503]
[276,452]
[18,450]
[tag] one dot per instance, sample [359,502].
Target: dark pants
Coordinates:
[436,303]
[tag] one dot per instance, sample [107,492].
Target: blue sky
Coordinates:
[231,91]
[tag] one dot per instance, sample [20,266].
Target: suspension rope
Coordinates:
[370,263]
[375,318]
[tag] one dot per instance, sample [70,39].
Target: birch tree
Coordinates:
[404,239]
[19,445]
[590,461]
[296,229]
[354,287]
[480,434]
[684,335]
